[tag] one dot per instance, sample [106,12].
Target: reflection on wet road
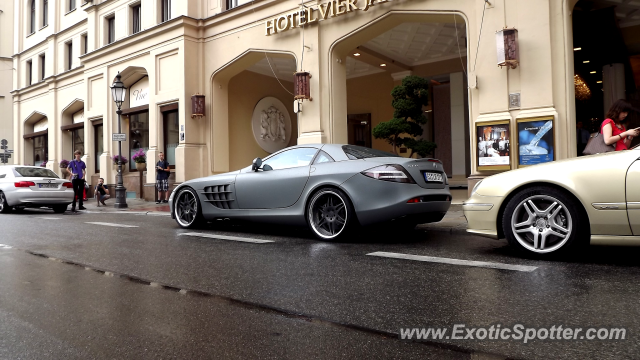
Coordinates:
[223,291]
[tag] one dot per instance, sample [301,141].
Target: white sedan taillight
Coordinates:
[25,184]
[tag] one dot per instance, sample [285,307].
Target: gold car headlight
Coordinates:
[475,188]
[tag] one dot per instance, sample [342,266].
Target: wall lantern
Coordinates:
[302,86]
[507,45]
[197,105]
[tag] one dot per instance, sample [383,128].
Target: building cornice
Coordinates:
[49,37]
[95,7]
[53,79]
[176,23]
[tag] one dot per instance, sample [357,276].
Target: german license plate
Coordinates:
[433,177]
[48,186]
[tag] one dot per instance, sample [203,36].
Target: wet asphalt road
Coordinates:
[70,289]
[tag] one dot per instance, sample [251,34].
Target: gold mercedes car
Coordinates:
[558,206]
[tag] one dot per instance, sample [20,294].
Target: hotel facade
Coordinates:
[241,56]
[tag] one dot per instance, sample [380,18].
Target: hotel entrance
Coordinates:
[375,60]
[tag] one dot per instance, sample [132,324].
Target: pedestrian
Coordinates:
[162,179]
[77,172]
[102,192]
[582,137]
[613,129]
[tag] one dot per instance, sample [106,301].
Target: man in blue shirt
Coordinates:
[162,179]
[77,172]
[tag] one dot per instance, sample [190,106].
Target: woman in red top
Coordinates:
[612,129]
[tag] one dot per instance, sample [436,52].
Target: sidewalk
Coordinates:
[134,206]
[453,221]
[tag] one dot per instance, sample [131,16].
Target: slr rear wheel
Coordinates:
[330,214]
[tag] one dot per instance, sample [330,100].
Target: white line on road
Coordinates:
[223,237]
[111,224]
[442,260]
[49,218]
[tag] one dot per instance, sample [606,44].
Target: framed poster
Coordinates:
[493,146]
[535,141]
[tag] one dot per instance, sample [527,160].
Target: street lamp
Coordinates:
[118,91]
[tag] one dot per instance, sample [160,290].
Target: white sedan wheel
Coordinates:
[544,220]
[541,224]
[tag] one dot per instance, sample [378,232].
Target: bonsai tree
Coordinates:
[408,117]
[139,157]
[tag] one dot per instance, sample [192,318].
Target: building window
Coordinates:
[29,72]
[45,13]
[32,22]
[84,44]
[166,10]
[171,135]
[98,144]
[72,5]
[138,134]
[69,55]
[40,149]
[77,136]
[135,18]
[111,29]
[42,67]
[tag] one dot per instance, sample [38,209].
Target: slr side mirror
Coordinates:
[257,163]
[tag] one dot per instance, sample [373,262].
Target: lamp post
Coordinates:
[118,91]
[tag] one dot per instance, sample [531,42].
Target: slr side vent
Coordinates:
[219,196]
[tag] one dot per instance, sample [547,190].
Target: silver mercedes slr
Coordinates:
[331,188]
[31,186]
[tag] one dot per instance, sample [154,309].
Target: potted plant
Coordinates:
[63,167]
[123,159]
[43,164]
[140,159]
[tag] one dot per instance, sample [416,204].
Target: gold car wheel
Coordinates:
[541,224]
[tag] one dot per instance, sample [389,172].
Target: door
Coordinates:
[442,125]
[277,188]
[633,197]
[359,129]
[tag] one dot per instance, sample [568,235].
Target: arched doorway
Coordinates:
[237,88]
[36,139]
[371,61]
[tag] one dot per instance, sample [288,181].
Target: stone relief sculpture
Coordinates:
[264,125]
[282,134]
[272,125]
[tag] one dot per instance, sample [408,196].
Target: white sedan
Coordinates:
[561,205]
[31,187]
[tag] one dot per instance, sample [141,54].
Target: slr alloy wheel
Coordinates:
[187,209]
[329,214]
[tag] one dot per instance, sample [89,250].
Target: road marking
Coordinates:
[111,224]
[49,218]
[5,246]
[442,260]
[223,237]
